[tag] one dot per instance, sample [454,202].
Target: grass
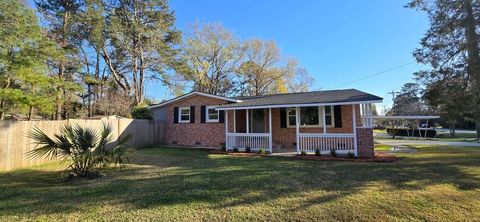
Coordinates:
[441,136]
[382,147]
[168,184]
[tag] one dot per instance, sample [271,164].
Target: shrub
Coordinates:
[317,152]
[351,155]
[262,151]
[142,112]
[247,149]
[224,147]
[303,153]
[88,149]
[235,149]
[333,152]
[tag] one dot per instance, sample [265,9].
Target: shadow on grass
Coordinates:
[168,176]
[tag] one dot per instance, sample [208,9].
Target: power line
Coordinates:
[374,74]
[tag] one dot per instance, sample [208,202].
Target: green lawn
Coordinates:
[437,183]
[441,136]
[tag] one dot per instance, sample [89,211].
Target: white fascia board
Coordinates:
[191,94]
[297,105]
[406,117]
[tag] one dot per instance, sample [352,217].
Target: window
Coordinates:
[211,114]
[291,117]
[184,115]
[311,116]
[329,116]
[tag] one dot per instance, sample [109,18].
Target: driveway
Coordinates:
[401,142]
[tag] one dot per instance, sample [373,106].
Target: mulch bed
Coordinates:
[379,157]
[238,154]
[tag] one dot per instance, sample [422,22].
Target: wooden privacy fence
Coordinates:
[14,142]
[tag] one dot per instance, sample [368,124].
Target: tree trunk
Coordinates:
[2,113]
[473,61]
[451,128]
[142,75]
[30,113]
[89,100]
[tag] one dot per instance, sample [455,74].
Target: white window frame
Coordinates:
[288,117]
[320,115]
[180,114]
[207,117]
[332,116]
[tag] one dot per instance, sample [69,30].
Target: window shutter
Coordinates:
[337,113]
[202,114]
[283,118]
[221,116]
[175,115]
[192,114]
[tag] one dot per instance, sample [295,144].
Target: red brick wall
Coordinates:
[287,136]
[187,134]
[365,142]
[213,134]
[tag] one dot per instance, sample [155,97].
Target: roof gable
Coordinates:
[192,94]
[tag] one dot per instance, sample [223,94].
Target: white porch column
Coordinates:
[354,124]
[234,120]
[370,115]
[270,128]
[297,126]
[324,120]
[227,144]
[248,121]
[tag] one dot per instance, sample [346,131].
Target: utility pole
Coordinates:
[393,100]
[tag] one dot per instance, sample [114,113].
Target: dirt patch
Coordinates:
[379,157]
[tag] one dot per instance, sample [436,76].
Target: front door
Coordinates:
[257,120]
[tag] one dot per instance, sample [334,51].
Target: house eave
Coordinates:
[297,105]
[191,94]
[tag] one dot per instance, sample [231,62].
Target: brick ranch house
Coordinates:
[324,120]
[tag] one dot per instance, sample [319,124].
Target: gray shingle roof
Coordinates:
[329,96]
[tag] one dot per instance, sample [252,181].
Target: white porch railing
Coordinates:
[342,143]
[253,140]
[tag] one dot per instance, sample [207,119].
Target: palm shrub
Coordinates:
[88,149]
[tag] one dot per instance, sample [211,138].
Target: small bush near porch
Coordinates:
[437,183]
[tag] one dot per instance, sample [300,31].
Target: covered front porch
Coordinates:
[297,128]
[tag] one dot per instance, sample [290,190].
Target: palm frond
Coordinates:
[46,146]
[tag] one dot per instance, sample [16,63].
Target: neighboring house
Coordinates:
[324,120]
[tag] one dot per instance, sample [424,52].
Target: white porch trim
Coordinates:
[270,129]
[297,128]
[194,93]
[297,105]
[354,125]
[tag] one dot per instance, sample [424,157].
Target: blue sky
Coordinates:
[336,41]
[365,45]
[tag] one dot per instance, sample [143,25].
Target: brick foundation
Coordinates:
[365,142]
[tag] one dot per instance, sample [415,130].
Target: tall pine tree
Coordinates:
[451,47]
